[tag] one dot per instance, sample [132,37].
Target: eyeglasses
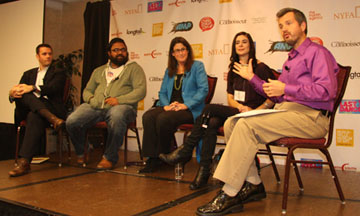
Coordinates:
[117,50]
[177,51]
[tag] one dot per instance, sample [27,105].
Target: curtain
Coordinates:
[97,24]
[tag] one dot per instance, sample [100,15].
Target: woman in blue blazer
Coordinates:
[181,100]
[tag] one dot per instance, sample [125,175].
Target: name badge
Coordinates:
[239,96]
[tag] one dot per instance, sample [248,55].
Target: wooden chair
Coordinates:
[59,143]
[103,126]
[321,144]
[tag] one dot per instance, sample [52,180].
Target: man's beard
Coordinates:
[119,62]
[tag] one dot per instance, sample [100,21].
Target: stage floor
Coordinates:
[74,190]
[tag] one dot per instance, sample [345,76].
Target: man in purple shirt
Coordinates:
[306,92]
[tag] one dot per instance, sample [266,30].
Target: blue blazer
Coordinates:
[194,89]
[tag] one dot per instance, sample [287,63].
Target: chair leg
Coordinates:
[136,163]
[86,149]
[126,148]
[68,145]
[334,175]
[286,182]
[59,146]
[297,173]
[138,142]
[271,157]
[17,144]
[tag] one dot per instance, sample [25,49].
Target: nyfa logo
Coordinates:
[355,14]
[229,21]
[350,106]
[224,1]
[314,16]
[345,137]
[177,3]
[155,6]
[279,46]
[355,75]
[137,10]
[206,23]
[225,50]
[198,50]
[198,1]
[135,32]
[182,26]
[153,54]
[134,55]
[346,167]
[157,29]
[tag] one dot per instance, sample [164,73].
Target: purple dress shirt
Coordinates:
[310,77]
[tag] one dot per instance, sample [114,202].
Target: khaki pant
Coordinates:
[243,135]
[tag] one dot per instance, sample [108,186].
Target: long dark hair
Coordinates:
[235,57]
[172,63]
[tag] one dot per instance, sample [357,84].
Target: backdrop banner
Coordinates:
[148,26]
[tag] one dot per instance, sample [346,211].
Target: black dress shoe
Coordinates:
[222,204]
[152,164]
[180,155]
[201,178]
[250,192]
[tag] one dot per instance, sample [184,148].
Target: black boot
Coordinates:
[201,178]
[180,155]
[53,119]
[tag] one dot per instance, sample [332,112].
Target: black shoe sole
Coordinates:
[233,209]
[255,197]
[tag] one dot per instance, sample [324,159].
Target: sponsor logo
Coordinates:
[257,20]
[199,1]
[153,54]
[355,75]
[224,1]
[314,16]
[311,165]
[138,10]
[182,26]
[157,29]
[155,79]
[317,40]
[279,46]
[177,3]
[355,14]
[116,34]
[345,137]
[345,44]
[350,106]
[140,105]
[155,6]
[134,55]
[225,50]
[198,50]
[346,167]
[229,21]
[135,32]
[206,23]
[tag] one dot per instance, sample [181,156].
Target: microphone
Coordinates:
[287,68]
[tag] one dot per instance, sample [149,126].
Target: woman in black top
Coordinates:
[241,98]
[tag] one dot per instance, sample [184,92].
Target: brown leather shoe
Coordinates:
[104,164]
[21,168]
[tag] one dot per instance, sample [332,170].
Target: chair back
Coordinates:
[275,73]
[342,79]
[212,84]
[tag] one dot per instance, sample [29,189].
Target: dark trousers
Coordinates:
[27,109]
[159,128]
[217,116]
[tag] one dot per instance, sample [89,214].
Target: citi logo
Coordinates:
[228,22]
[153,54]
[348,14]
[135,32]
[279,46]
[177,3]
[138,10]
[225,50]
[182,26]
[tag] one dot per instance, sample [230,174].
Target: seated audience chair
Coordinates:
[322,144]
[60,133]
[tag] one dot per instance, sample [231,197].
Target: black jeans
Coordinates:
[217,116]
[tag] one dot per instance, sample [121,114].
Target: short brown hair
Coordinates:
[299,16]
